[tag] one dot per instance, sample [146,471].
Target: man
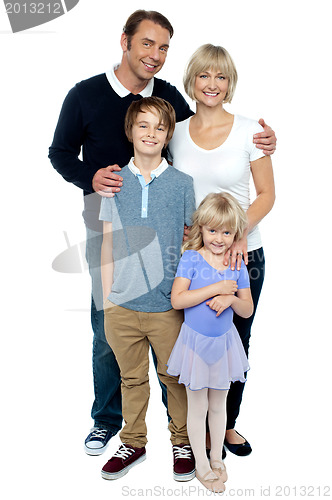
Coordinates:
[92,118]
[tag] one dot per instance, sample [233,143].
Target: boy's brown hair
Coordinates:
[164,110]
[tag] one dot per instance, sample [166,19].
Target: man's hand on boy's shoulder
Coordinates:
[105,182]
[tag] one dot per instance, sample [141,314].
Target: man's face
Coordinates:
[148,50]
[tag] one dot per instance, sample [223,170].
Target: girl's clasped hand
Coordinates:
[220,302]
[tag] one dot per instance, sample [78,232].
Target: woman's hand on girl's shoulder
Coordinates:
[237,252]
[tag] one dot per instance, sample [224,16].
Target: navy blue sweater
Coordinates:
[92,119]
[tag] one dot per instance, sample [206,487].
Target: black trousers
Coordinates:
[256,270]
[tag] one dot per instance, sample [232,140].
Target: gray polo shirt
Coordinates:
[148,222]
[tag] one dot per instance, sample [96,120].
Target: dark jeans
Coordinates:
[256,270]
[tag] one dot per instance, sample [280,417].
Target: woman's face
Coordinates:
[210,88]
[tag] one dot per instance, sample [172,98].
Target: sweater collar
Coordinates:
[121,90]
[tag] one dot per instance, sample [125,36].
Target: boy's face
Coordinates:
[149,135]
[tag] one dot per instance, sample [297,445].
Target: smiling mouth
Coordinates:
[149,67]
[211,94]
[149,143]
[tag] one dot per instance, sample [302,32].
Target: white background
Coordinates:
[282,52]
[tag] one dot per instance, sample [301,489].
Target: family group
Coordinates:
[173,246]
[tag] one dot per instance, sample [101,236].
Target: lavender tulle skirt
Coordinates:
[208,362]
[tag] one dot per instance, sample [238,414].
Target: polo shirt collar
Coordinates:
[121,90]
[155,173]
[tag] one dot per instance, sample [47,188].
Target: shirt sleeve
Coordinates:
[186,267]
[106,209]
[67,142]
[243,279]
[254,153]
[180,105]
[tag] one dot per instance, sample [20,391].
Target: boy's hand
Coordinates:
[266,140]
[227,287]
[106,183]
[186,232]
[220,303]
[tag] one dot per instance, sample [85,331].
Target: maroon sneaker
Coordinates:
[122,461]
[183,463]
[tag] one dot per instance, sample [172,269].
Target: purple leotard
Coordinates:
[201,318]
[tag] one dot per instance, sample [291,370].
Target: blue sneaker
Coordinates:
[97,441]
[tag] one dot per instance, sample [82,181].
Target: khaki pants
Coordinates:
[129,333]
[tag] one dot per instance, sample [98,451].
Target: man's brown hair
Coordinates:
[133,22]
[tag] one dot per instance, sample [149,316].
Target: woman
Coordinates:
[216,148]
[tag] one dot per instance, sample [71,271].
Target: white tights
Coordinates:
[201,403]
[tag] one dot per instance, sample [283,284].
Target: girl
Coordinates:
[208,353]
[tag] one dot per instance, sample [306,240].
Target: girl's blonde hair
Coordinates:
[209,57]
[215,211]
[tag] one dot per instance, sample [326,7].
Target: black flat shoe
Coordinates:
[241,450]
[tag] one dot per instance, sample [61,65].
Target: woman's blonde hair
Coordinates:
[215,211]
[209,57]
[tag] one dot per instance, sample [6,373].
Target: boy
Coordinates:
[142,236]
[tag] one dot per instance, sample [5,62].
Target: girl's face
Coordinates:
[217,241]
[210,88]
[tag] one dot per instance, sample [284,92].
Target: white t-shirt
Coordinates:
[223,169]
